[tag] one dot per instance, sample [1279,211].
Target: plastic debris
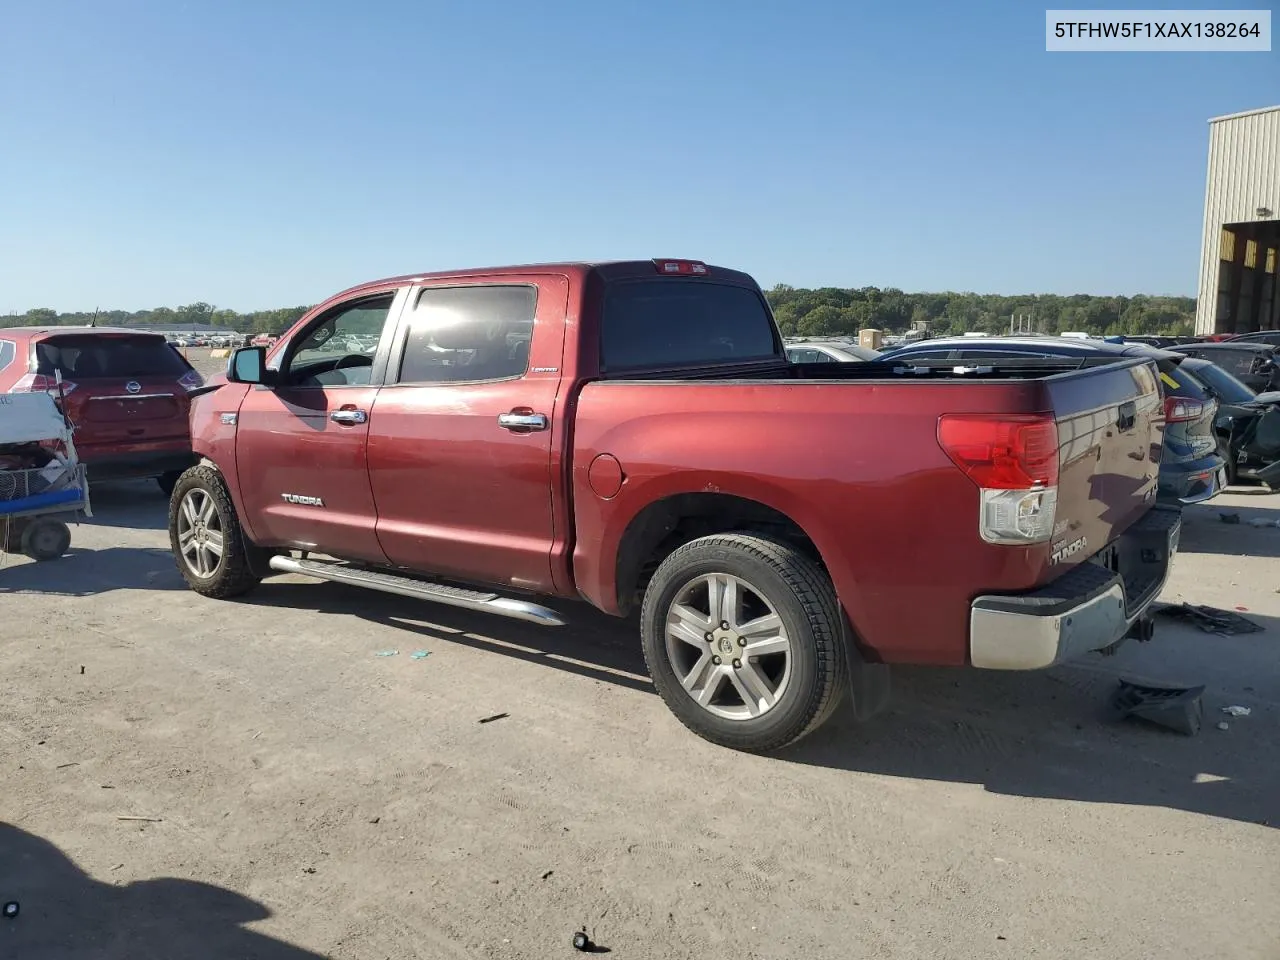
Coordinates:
[1209,619]
[496,716]
[1223,725]
[1178,708]
[1229,517]
[582,942]
[386,653]
[11,909]
[1263,522]
[1237,711]
[419,654]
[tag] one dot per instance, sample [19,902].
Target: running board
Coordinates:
[419,589]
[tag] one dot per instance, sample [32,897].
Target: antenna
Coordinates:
[94,321]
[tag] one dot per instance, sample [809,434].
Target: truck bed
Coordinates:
[851,453]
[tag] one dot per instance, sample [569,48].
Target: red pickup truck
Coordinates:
[632,435]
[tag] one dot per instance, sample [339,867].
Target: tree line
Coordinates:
[826,311]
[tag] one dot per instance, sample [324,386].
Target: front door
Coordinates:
[460,442]
[302,443]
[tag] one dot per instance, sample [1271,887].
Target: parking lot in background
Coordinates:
[283,771]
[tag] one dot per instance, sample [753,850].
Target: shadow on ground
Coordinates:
[64,913]
[1227,530]
[131,504]
[84,573]
[1046,734]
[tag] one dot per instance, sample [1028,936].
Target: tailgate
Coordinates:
[1110,435]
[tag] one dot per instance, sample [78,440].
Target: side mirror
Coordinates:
[248,365]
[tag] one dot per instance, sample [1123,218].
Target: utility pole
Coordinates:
[1021,323]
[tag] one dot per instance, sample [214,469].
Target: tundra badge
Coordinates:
[304,501]
[1068,551]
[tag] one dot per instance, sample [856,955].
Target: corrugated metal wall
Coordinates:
[1244,174]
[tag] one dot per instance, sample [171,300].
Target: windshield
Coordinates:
[1227,387]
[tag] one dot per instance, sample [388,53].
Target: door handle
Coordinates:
[349,417]
[522,421]
[1128,416]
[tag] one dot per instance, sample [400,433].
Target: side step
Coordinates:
[419,589]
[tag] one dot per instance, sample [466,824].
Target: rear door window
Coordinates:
[668,322]
[87,357]
[7,353]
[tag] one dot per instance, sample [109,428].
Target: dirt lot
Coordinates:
[309,797]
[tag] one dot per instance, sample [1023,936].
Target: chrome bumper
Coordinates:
[1092,606]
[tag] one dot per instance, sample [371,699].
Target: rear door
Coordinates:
[120,388]
[461,438]
[301,444]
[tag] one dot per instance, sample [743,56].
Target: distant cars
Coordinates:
[1191,469]
[126,392]
[835,350]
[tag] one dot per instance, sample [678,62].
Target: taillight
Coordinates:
[41,383]
[191,380]
[1013,460]
[1180,409]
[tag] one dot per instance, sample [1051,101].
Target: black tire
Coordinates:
[233,575]
[1228,462]
[805,602]
[167,481]
[46,539]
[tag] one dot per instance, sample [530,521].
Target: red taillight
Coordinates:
[40,383]
[1002,452]
[1180,409]
[191,380]
[681,267]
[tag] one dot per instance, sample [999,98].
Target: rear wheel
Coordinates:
[46,539]
[743,638]
[204,533]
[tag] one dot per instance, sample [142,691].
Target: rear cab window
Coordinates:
[668,322]
[102,356]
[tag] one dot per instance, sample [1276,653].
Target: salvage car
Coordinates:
[1253,363]
[632,435]
[1192,468]
[1247,424]
[127,393]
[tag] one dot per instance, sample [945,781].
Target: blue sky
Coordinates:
[270,152]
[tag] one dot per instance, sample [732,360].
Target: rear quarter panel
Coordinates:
[856,465]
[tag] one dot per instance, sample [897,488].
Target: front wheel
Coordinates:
[205,536]
[743,639]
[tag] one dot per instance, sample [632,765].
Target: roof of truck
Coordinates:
[571,267]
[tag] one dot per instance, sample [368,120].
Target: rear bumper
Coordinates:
[1093,606]
[1193,481]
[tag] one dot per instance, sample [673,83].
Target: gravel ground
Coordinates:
[305,797]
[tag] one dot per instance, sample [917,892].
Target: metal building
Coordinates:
[1241,244]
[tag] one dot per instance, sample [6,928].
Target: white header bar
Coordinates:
[1161,31]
